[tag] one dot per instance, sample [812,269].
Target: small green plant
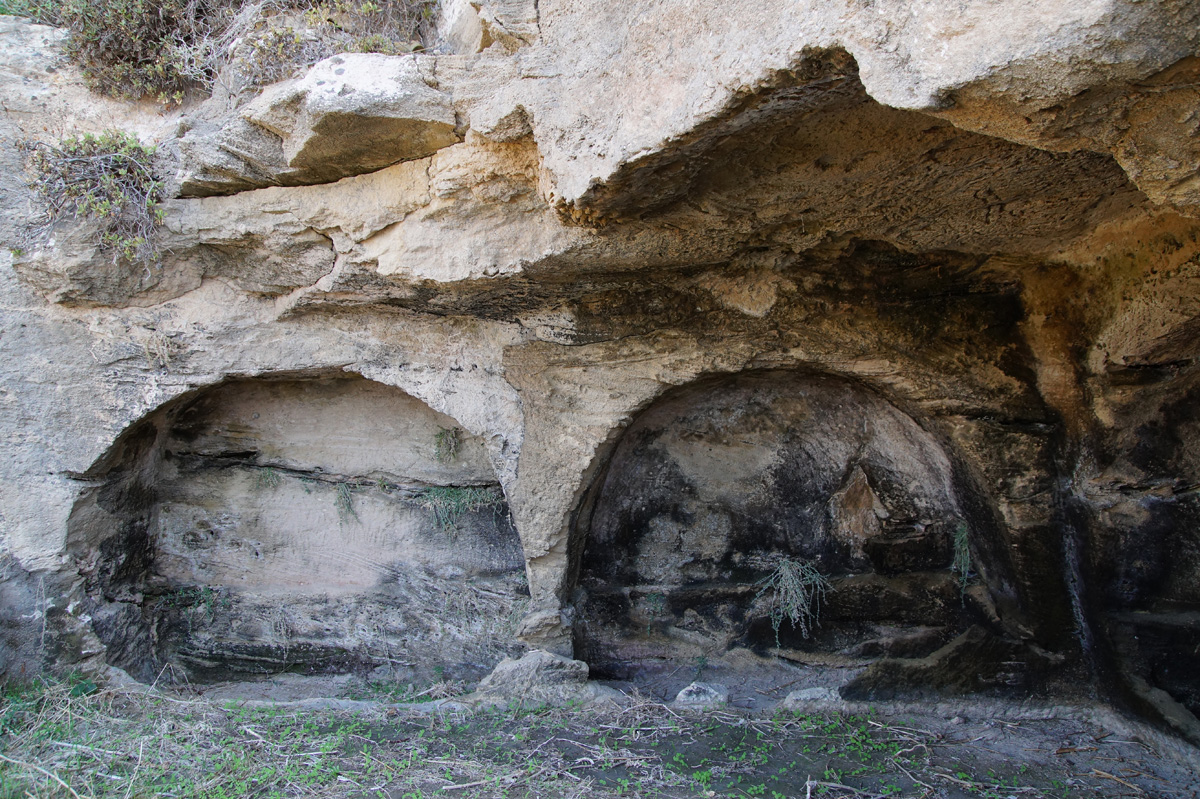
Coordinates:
[268,477]
[375,43]
[81,686]
[794,590]
[656,603]
[203,598]
[446,444]
[962,555]
[108,178]
[656,608]
[345,502]
[448,503]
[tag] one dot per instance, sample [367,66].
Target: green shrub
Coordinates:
[136,48]
[274,53]
[794,590]
[375,43]
[108,178]
[374,27]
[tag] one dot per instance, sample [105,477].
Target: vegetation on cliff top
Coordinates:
[165,48]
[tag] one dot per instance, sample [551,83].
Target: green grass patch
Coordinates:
[449,503]
[58,739]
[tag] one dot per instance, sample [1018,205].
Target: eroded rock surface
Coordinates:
[350,114]
[908,296]
[719,490]
[231,534]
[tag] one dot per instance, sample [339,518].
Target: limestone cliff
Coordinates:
[648,297]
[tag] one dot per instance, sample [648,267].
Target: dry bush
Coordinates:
[108,178]
[794,590]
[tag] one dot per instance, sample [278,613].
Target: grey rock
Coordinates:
[349,114]
[816,694]
[356,113]
[962,211]
[702,695]
[538,676]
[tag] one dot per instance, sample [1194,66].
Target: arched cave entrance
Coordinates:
[721,489]
[313,525]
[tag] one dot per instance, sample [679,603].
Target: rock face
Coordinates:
[711,489]
[904,298]
[350,114]
[231,534]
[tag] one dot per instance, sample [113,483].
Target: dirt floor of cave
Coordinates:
[75,739]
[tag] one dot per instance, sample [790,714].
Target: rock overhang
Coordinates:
[805,205]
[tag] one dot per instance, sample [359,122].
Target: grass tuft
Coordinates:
[204,599]
[268,477]
[962,555]
[448,503]
[446,444]
[345,502]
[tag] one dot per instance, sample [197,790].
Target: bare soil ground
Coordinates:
[74,739]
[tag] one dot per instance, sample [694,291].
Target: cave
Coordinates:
[309,525]
[722,491]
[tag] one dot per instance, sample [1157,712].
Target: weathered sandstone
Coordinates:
[698,287]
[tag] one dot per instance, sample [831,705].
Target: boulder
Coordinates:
[356,113]
[702,696]
[537,676]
